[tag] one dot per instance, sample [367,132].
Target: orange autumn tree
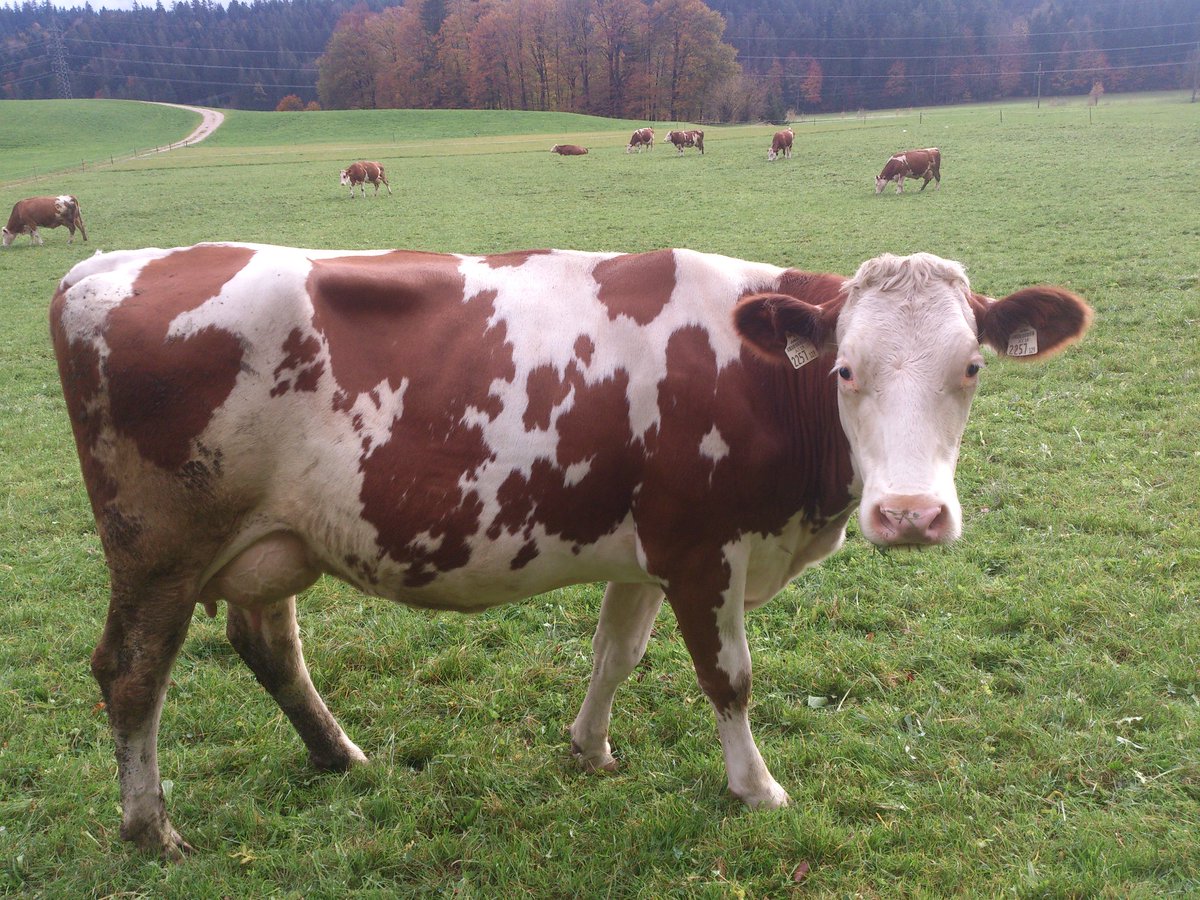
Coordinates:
[649,59]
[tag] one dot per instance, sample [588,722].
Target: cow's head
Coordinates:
[880,183]
[345,177]
[8,235]
[907,334]
[771,154]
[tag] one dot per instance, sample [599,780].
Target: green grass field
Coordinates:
[1015,715]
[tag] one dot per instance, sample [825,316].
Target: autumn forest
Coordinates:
[674,60]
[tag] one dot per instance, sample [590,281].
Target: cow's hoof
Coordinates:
[770,796]
[165,841]
[338,758]
[594,762]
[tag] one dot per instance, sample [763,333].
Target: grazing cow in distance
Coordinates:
[643,137]
[781,144]
[32,213]
[359,173]
[569,150]
[683,139]
[694,428]
[925,164]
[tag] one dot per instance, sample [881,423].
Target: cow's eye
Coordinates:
[973,370]
[845,374]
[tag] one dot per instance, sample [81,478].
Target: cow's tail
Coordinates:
[77,217]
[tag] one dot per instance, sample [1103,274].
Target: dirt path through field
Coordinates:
[211,121]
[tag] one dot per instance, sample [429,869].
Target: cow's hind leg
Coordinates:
[626,617]
[132,663]
[268,640]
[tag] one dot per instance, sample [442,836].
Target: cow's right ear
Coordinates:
[767,322]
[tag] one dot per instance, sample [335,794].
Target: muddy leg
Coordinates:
[132,664]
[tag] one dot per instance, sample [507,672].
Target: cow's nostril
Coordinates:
[910,520]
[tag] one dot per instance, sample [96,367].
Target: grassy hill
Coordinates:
[42,136]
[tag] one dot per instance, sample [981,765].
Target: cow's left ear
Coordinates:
[769,322]
[1033,323]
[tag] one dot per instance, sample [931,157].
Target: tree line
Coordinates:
[720,60]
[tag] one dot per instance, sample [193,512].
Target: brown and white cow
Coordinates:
[643,137]
[32,213]
[781,145]
[457,432]
[925,164]
[683,139]
[360,173]
[569,150]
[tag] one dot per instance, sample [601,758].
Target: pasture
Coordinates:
[1018,714]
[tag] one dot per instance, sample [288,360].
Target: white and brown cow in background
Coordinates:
[683,139]
[569,150]
[643,137]
[781,145]
[360,173]
[925,164]
[457,432]
[32,213]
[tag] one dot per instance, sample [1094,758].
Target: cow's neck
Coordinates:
[815,473]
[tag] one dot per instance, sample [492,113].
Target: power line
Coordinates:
[184,65]
[949,37]
[969,55]
[940,75]
[176,49]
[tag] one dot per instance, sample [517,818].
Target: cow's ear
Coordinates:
[768,322]
[1033,323]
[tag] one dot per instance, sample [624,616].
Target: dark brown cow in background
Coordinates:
[925,164]
[781,144]
[32,213]
[643,137]
[359,173]
[569,150]
[683,139]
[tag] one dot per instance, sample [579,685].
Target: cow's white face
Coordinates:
[880,184]
[907,368]
[8,236]
[345,177]
[771,155]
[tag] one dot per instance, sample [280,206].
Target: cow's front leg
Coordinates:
[900,185]
[715,633]
[145,628]
[626,617]
[35,237]
[268,639]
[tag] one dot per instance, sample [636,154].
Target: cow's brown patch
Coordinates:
[545,391]
[512,260]
[636,285]
[164,390]
[403,317]
[525,555]
[584,348]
